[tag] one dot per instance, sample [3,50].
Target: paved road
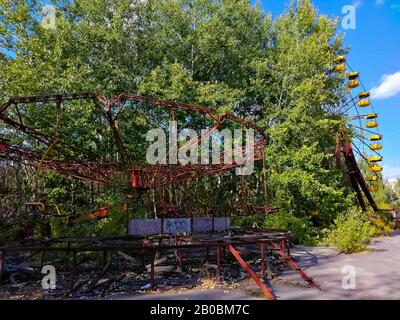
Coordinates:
[377,276]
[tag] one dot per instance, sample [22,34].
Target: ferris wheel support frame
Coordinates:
[356,178]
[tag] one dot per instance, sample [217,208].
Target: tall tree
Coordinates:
[225,54]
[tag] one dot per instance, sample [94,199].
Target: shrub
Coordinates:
[249,221]
[352,231]
[302,228]
[382,223]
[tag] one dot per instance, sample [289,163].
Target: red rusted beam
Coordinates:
[355,171]
[338,153]
[286,258]
[150,177]
[267,292]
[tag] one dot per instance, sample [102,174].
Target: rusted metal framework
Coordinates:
[213,246]
[356,178]
[146,177]
[142,177]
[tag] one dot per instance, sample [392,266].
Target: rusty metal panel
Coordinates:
[144,226]
[202,224]
[221,223]
[177,225]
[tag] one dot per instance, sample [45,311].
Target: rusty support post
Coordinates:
[264,171]
[285,258]
[262,253]
[338,153]
[357,178]
[2,263]
[71,290]
[152,276]
[268,264]
[105,257]
[42,258]
[67,256]
[267,292]
[180,258]
[117,137]
[282,246]
[218,264]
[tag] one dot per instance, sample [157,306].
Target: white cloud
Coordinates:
[389,87]
[379,2]
[391,172]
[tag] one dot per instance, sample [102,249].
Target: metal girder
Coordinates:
[266,291]
[356,178]
[149,176]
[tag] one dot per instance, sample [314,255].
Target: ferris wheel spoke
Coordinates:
[346,98]
[365,90]
[346,108]
[350,100]
[363,129]
[366,144]
[366,160]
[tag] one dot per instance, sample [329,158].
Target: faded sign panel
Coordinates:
[144,226]
[177,225]
[202,224]
[221,223]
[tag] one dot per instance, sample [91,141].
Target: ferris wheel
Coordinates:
[362,129]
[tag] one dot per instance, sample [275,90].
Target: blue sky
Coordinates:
[374,52]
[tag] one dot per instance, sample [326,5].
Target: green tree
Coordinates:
[225,54]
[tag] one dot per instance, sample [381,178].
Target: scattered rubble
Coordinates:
[121,274]
[89,268]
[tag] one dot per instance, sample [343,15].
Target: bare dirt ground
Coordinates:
[377,276]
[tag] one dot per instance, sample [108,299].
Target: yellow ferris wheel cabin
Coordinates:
[375,146]
[371,124]
[339,68]
[340,59]
[353,75]
[375,168]
[353,84]
[364,95]
[363,103]
[371,115]
[375,137]
[375,159]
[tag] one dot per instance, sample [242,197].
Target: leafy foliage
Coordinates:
[226,54]
[352,231]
